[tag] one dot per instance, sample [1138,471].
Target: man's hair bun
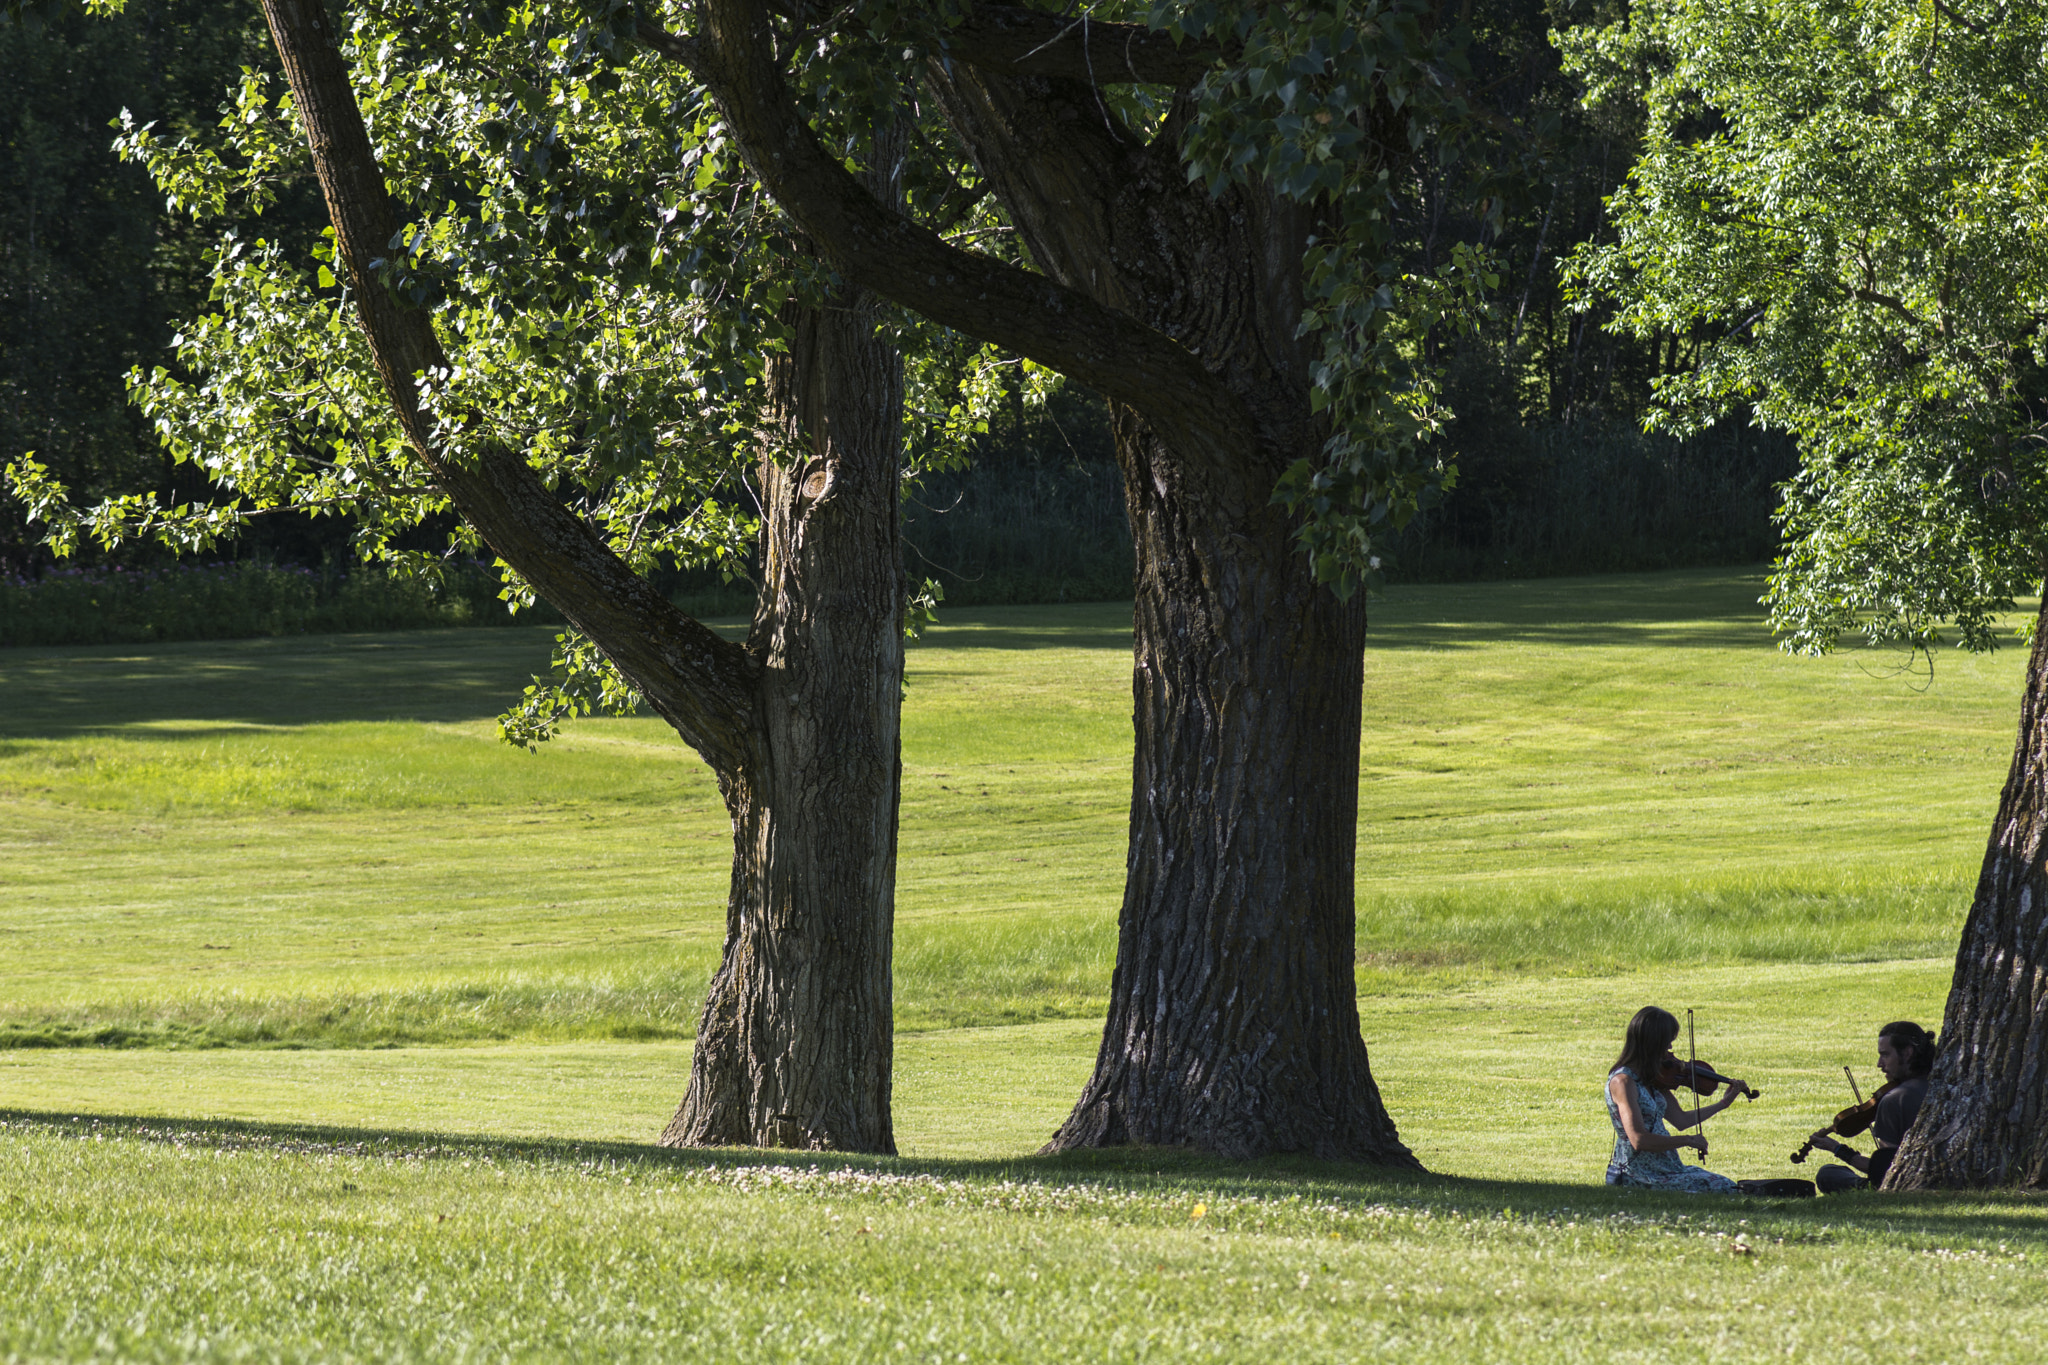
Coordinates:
[1906,1034]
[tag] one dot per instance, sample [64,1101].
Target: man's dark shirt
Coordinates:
[1895,1114]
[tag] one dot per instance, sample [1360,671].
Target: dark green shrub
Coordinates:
[1599,496]
[238,600]
[1009,534]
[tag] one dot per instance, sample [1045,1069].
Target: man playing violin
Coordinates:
[1905,1054]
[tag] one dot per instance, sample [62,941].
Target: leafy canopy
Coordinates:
[1325,103]
[1847,202]
[607,281]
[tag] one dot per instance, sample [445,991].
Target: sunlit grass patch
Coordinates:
[1792,913]
[1436,1052]
[320,842]
[486,1007]
[298,1244]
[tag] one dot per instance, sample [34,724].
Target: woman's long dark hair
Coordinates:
[1650,1033]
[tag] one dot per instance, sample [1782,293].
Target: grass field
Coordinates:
[320,841]
[385,1012]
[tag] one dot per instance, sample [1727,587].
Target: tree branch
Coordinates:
[700,683]
[882,251]
[1980,30]
[1029,42]
[1887,301]
[957,204]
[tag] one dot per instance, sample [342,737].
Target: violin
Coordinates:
[1848,1123]
[1698,1077]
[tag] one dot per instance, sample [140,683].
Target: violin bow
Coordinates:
[1692,1058]
[1852,1084]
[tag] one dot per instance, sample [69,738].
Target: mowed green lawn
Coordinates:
[391,1010]
[322,841]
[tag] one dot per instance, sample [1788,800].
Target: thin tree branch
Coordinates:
[1028,42]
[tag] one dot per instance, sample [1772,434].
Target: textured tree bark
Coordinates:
[800,725]
[1984,1122]
[795,1045]
[1233,1020]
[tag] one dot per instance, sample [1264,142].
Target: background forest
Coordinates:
[1556,474]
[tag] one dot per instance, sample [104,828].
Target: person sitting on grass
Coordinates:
[1905,1054]
[1645,1151]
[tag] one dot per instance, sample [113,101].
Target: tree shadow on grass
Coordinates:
[2008,1216]
[1691,608]
[1692,633]
[1715,609]
[1114,638]
[1073,625]
[430,675]
[207,687]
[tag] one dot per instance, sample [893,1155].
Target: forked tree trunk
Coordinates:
[795,1045]
[800,725]
[1233,1020]
[1984,1123]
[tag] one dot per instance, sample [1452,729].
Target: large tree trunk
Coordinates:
[1233,1018]
[800,725]
[795,1045]
[1985,1120]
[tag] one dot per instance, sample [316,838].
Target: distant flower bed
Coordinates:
[236,601]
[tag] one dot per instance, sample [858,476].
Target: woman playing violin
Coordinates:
[1640,1100]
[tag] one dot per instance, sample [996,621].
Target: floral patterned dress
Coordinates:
[1654,1170]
